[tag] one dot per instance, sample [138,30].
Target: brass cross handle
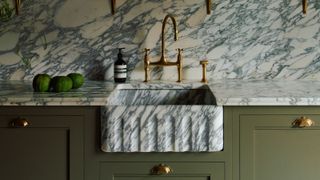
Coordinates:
[303,122]
[161,169]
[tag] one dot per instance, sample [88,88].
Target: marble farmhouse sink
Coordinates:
[162,118]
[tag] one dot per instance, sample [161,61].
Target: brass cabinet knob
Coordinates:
[19,123]
[161,169]
[303,122]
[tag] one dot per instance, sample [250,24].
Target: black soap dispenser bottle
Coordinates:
[120,69]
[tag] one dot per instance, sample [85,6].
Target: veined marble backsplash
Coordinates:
[255,39]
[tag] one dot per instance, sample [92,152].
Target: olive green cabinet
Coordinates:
[63,143]
[273,146]
[41,143]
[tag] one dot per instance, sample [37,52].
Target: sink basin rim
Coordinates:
[161,94]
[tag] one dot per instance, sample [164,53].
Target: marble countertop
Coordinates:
[20,93]
[267,93]
[227,93]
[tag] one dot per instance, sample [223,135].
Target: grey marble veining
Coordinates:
[162,94]
[257,39]
[226,93]
[162,85]
[267,93]
[170,128]
[20,93]
[162,97]
[162,117]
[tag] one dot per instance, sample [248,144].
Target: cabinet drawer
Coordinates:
[142,171]
[272,146]
[290,121]
[39,121]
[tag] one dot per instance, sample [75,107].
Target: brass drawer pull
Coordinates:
[20,123]
[303,122]
[161,169]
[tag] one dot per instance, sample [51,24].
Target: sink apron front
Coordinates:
[162,128]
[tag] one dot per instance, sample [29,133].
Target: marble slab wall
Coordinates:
[242,39]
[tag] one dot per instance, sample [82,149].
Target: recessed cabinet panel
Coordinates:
[271,149]
[34,153]
[286,154]
[142,171]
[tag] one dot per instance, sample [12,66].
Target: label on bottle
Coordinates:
[120,71]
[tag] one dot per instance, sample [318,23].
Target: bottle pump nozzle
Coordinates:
[120,52]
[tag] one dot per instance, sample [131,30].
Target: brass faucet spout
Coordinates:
[163,60]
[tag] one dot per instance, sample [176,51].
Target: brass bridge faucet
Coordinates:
[163,60]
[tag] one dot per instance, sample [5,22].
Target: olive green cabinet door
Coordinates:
[47,148]
[271,149]
[180,171]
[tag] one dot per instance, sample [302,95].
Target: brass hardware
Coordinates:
[20,123]
[161,169]
[304,6]
[179,64]
[204,64]
[163,60]
[208,7]
[113,7]
[17,6]
[303,122]
[146,65]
